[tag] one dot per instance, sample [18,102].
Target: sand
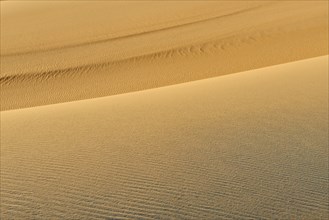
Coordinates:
[164,110]
[251,145]
[54,52]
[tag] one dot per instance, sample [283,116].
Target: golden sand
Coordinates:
[54,52]
[164,110]
[251,145]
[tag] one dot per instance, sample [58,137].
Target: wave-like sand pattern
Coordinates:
[222,38]
[251,145]
[135,116]
[149,30]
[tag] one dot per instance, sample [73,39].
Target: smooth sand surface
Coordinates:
[60,51]
[251,145]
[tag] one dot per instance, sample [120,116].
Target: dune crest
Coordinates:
[72,53]
[164,110]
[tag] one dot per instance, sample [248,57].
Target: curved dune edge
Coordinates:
[251,145]
[53,62]
[149,30]
[159,69]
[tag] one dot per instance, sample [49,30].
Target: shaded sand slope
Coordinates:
[53,52]
[247,145]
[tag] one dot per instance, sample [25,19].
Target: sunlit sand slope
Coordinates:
[59,51]
[251,145]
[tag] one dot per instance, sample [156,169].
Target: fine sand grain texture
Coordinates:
[60,51]
[251,145]
[164,110]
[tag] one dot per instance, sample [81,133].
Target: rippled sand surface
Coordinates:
[247,145]
[54,52]
[164,110]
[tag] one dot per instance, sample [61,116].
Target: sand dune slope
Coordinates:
[251,145]
[60,51]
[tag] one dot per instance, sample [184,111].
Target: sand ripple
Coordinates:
[244,146]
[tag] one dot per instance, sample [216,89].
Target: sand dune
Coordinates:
[251,145]
[81,50]
[164,110]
